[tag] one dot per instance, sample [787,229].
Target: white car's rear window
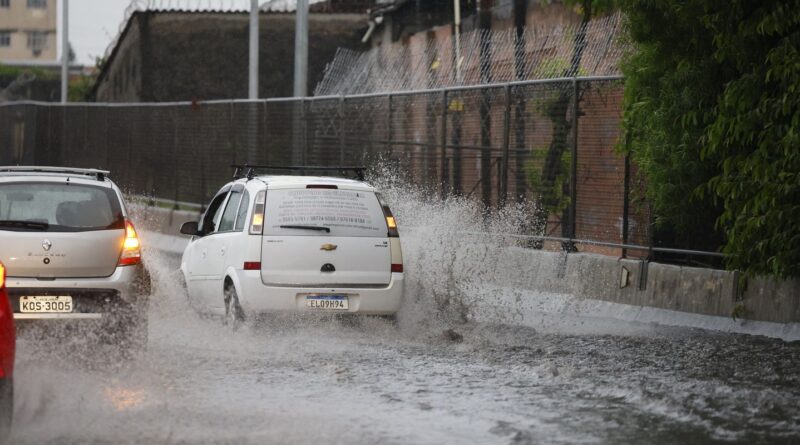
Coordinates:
[343,212]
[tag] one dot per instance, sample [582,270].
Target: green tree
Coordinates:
[712,113]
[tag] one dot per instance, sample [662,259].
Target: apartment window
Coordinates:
[37,41]
[37,4]
[5,3]
[5,37]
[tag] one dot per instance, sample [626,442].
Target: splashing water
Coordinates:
[450,247]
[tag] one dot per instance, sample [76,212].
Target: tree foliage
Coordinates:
[713,113]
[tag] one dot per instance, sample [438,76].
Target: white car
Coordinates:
[294,243]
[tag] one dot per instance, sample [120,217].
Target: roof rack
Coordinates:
[100,175]
[249,171]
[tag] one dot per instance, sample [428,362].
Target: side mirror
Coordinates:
[190,228]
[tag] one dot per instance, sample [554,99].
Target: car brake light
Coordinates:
[252,265]
[131,252]
[257,220]
[2,276]
[397,268]
[322,186]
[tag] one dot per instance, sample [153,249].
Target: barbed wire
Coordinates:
[540,53]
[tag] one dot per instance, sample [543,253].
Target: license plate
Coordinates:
[45,304]
[332,302]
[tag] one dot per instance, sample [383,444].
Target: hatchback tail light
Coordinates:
[398,268]
[131,249]
[257,220]
[391,224]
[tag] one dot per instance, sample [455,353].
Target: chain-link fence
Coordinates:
[551,143]
[479,57]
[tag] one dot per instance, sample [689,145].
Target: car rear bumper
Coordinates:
[124,292]
[255,297]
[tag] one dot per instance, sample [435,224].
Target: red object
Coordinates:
[7,332]
[322,186]
[397,268]
[252,265]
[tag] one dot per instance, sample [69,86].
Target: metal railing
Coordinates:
[549,143]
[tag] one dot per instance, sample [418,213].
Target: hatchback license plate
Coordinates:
[333,302]
[45,304]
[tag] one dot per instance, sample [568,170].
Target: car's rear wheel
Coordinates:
[234,315]
[6,408]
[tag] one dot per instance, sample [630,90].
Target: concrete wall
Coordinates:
[679,288]
[183,56]
[122,79]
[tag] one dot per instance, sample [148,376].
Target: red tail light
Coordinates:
[397,268]
[131,252]
[252,265]
[2,276]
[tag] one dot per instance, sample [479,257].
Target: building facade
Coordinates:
[201,55]
[27,30]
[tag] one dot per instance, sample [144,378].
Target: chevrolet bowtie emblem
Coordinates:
[328,247]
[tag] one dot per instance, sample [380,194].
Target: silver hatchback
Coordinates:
[71,251]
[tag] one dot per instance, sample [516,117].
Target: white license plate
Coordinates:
[332,302]
[45,304]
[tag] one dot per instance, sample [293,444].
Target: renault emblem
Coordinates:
[46,244]
[328,247]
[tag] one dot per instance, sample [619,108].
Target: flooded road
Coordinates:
[369,381]
[436,376]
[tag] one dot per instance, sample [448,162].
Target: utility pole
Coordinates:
[64,50]
[253,76]
[301,50]
[457,20]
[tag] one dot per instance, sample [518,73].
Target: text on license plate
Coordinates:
[45,304]
[336,302]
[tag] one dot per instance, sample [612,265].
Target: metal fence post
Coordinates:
[175,155]
[626,196]
[573,180]
[342,130]
[265,136]
[503,189]
[107,163]
[443,148]
[304,122]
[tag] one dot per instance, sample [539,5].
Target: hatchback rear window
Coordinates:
[59,207]
[312,212]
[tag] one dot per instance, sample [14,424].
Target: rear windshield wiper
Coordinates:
[320,228]
[24,224]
